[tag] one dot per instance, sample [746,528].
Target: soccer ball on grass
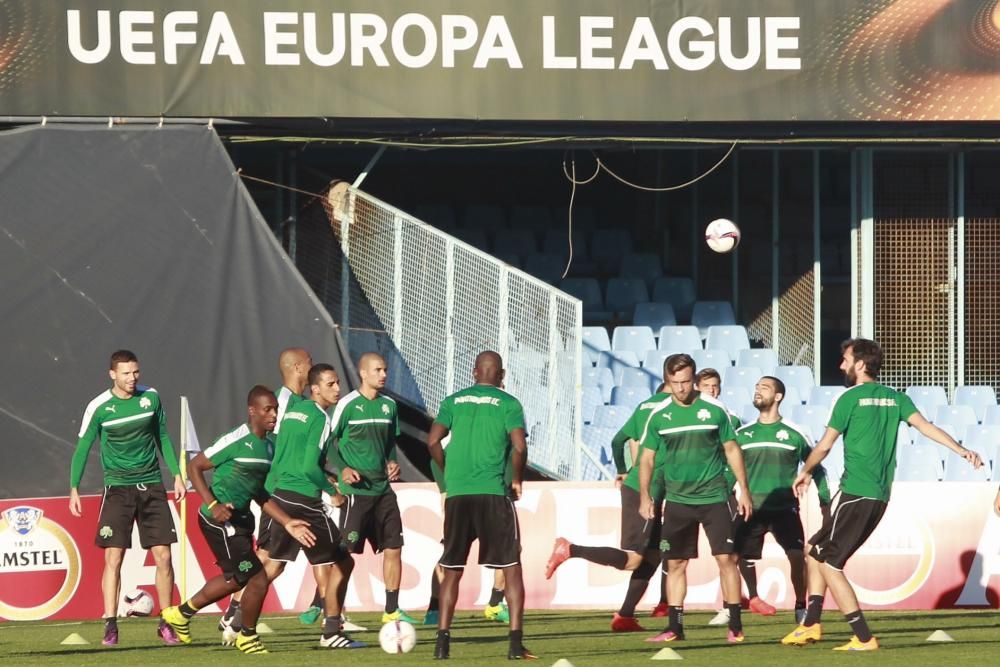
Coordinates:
[397,637]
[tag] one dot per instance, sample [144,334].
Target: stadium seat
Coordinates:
[917,469]
[639,339]
[654,314]
[705,314]
[763,358]
[957,469]
[584,217]
[959,416]
[515,242]
[800,377]
[811,421]
[653,362]
[629,397]
[735,396]
[717,359]
[834,462]
[484,217]
[509,259]
[639,377]
[904,435]
[441,216]
[732,339]
[748,414]
[590,398]
[740,376]
[824,395]
[607,246]
[536,219]
[679,339]
[618,361]
[611,417]
[985,440]
[978,397]
[623,294]
[545,266]
[556,242]
[588,291]
[595,341]
[992,416]
[602,378]
[792,397]
[927,398]
[938,451]
[643,265]
[676,291]
[474,236]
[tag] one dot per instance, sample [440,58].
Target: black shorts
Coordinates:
[852,520]
[143,504]
[232,544]
[283,547]
[264,532]
[490,519]
[639,535]
[679,536]
[785,525]
[373,519]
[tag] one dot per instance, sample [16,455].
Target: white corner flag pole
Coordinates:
[182,463]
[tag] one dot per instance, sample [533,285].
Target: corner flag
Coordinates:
[189,447]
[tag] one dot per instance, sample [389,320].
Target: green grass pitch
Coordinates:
[583,638]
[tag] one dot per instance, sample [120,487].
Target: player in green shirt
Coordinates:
[487,428]
[697,439]
[868,415]
[128,420]
[241,459]
[364,428]
[639,552]
[773,447]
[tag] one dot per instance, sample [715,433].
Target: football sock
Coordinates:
[332,625]
[434,603]
[188,609]
[317,599]
[610,556]
[663,586]
[813,610]
[391,601]
[637,585]
[859,625]
[496,597]
[675,621]
[111,622]
[247,631]
[800,604]
[735,621]
[748,568]
[516,637]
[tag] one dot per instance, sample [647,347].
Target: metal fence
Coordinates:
[429,303]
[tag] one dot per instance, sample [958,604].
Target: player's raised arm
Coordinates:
[940,436]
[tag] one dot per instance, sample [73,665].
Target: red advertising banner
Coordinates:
[938,546]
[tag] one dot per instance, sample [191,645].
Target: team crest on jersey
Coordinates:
[385,409]
[782,435]
[144,402]
[704,415]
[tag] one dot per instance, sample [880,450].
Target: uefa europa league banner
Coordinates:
[540,60]
[938,546]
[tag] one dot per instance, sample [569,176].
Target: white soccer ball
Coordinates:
[397,637]
[138,603]
[722,235]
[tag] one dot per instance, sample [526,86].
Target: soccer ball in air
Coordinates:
[722,235]
[138,603]
[397,637]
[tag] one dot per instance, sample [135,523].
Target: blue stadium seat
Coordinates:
[618,361]
[515,242]
[679,339]
[731,338]
[959,416]
[812,423]
[485,217]
[800,377]
[957,469]
[584,217]
[834,462]
[763,358]
[653,362]
[740,376]
[927,398]
[705,314]
[639,377]
[917,469]
[676,291]
[824,395]
[792,397]
[985,440]
[992,417]
[939,452]
[639,339]
[654,314]
[441,216]
[611,417]
[556,242]
[904,435]
[590,398]
[643,265]
[717,359]
[545,266]
[748,413]
[588,291]
[607,246]
[510,259]
[623,294]
[978,397]
[595,341]
[535,219]
[629,397]
[735,396]
[602,378]
[474,236]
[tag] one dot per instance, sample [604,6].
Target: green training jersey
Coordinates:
[300,452]
[868,415]
[632,430]
[286,399]
[737,424]
[130,430]
[772,454]
[242,461]
[694,463]
[363,436]
[481,419]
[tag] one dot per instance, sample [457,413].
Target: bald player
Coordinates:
[363,433]
[487,429]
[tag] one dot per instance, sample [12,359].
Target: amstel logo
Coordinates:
[896,561]
[39,565]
